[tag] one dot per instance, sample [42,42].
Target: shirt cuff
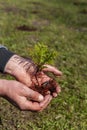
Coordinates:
[5,55]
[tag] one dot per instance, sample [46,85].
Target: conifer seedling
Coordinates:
[41,54]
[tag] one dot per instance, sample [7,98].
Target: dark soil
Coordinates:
[26,28]
[15,10]
[84,11]
[34,12]
[80,3]
[37,3]
[46,87]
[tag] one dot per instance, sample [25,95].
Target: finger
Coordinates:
[55,94]
[58,90]
[52,69]
[33,95]
[33,106]
[46,101]
[25,104]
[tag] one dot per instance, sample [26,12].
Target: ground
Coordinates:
[62,25]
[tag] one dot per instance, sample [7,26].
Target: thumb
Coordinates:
[33,95]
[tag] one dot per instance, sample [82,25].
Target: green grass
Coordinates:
[62,25]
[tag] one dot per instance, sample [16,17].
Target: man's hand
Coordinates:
[25,71]
[24,97]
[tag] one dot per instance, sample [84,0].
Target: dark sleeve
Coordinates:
[5,55]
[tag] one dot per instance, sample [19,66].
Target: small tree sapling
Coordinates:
[41,54]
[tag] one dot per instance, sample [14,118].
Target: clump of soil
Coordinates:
[84,11]
[34,12]
[80,3]
[11,9]
[36,3]
[26,28]
[15,10]
[49,86]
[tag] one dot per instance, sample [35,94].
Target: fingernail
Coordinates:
[55,94]
[41,98]
[59,90]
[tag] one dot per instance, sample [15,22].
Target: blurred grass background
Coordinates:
[62,25]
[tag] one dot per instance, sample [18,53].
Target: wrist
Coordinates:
[18,66]
[12,65]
